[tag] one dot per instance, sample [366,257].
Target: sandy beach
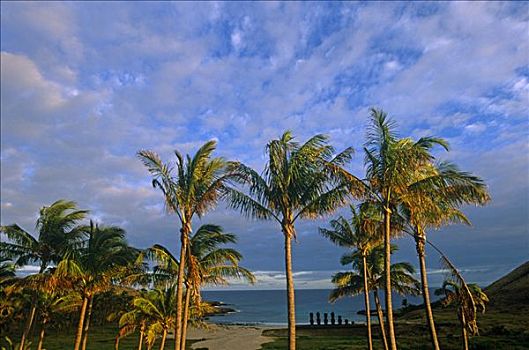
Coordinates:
[219,337]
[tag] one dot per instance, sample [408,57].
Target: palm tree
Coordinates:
[360,234]
[351,283]
[58,232]
[132,320]
[47,306]
[468,299]
[7,271]
[433,203]
[8,302]
[105,251]
[392,168]
[300,181]
[192,190]
[157,306]
[207,263]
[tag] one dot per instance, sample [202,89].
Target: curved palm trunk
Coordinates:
[41,336]
[116,343]
[289,232]
[87,323]
[387,272]
[464,330]
[164,335]
[186,229]
[29,323]
[184,321]
[380,315]
[420,240]
[367,304]
[79,333]
[142,334]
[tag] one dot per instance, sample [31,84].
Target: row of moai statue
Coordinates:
[326,319]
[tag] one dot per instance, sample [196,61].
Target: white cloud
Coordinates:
[79,100]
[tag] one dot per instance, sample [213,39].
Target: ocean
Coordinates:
[269,307]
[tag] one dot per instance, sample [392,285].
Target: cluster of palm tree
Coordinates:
[79,262]
[362,236]
[76,262]
[405,190]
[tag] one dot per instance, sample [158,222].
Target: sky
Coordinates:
[85,85]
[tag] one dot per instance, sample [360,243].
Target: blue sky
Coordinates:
[86,85]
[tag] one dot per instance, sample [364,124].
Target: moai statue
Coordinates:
[318,319]
[346,322]
[325,319]
[311,317]
[340,320]
[333,321]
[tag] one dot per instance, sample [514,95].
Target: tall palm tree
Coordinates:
[92,268]
[191,190]
[351,283]
[300,181]
[392,166]
[432,202]
[468,299]
[58,233]
[207,263]
[359,234]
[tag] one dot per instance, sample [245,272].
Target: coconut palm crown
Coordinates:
[191,186]
[59,232]
[300,181]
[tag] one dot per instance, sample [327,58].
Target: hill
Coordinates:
[510,290]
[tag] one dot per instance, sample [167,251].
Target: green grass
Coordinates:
[99,338]
[499,330]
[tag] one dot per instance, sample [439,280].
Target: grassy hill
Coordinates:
[504,325]
[511,290]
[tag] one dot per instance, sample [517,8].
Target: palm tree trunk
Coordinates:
[381,319]
[420,240]
[116,343]
[142,332]
[87,323]
[79,333]
[464,330]
[29,323]
[186,229]
[289,232]
[185,318]
[31,318]
[387,271]
[164,335]
[41,335]
[368,305]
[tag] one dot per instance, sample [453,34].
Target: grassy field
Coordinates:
[499,330]
[100,338]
